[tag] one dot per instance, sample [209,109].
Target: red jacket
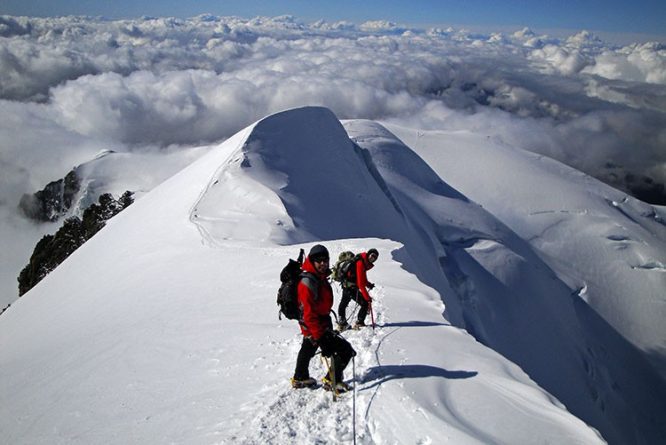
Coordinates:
[315,306]
[362,267]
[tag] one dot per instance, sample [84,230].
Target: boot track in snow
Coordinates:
[287,415]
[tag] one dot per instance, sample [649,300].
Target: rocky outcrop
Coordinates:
[52,250]
[54,201]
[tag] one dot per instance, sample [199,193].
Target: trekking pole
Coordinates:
[355,311]
[354,400]
[372,316]
[335,384]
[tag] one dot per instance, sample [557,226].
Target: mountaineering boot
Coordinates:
[343,387]
[327,383]
[359,324]
[339,388]
[343,326]
[303,383]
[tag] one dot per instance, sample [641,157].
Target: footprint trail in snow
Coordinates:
[280,414]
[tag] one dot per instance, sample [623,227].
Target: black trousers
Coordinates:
[349,294]
[343,353]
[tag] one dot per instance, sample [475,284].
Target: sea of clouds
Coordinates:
[76,82]
[73,86]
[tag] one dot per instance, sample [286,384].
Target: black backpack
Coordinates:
[287,296]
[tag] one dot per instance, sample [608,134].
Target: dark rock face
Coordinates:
[53,201]
[640,186]
[52,250]
[647,190]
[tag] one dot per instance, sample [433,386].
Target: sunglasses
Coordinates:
[320,260]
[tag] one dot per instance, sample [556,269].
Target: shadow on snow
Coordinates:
[385,373]
[412,324]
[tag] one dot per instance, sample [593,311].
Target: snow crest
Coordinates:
[296,177]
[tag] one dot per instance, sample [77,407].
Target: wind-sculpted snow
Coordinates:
[561,211]
[493,281]
[569,285]
[303,180]
[511,300]
[163,327]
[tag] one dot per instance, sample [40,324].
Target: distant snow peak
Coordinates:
[104,153]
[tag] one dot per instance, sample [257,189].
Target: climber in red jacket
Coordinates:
[357,289]
[315,298]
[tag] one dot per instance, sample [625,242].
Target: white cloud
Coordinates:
[168,81]
[561,60]
[638,63]
[381,25]
[72,86]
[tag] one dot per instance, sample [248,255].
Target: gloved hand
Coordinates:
[326,343]
[371,286]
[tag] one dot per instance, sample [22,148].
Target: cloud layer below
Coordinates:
[72,86]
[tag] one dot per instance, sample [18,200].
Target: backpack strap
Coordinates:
[312,283]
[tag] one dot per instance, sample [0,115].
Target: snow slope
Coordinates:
[109,172]
[600,241]
[163,328]
[516,287]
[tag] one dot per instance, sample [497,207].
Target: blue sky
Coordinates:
[620,16]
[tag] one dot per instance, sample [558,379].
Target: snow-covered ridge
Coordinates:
[593,236]
[518,293]
[163,327]
[299,177]
[456,244]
